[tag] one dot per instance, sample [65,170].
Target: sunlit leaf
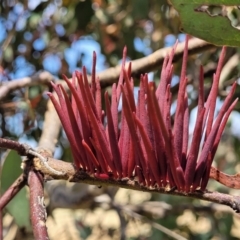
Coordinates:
[216,29]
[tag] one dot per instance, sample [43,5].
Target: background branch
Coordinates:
[111,75]
[154,60]
[51,129]
[158,226]
[42,78]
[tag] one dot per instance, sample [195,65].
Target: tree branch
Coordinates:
[73,175]
[154,60]
[10,144]
[12,191]
[228,68]
[111,75]
[37,206]
[42,78]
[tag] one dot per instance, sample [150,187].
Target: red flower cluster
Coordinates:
[144,145]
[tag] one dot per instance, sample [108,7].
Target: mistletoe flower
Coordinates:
[144,145]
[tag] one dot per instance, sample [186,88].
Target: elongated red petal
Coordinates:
[152,161]
[144,145]
[159,141]
[120,81]
[123,144]
[113,138]
[205,177]
[179,115]
[193,152]
[214,92]
[141,162]
[202,163]
[98,97]
[185,134]
[172,158]
[114,109]
[68,130]
[93,82]
[84,118]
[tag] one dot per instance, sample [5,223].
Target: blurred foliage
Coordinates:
[59,37]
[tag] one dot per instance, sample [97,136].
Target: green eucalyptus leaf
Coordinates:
[216,29]
[19,205]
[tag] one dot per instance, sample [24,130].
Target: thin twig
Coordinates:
[123,223]
[43,78]
[12,191]
[37,206]
[158,226]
